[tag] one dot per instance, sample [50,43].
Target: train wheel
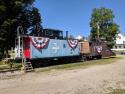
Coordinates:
[84,58]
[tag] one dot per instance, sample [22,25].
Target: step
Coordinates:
[28,66]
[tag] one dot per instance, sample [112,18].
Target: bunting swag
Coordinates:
[39,42]
[99,49]
[72,43]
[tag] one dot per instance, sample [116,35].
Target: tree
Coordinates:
[103,26]
[12,14]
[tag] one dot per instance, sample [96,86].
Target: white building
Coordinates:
[79,37]
[120,43]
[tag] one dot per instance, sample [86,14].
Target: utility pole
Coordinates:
[98,33]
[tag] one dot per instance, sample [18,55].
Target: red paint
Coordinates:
[26,47]
[39,38]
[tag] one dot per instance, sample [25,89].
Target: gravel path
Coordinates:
[100,79]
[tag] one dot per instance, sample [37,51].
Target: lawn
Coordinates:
[79,65]
[7,66]
[70,66]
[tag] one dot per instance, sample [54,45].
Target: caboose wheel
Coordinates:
[84,58]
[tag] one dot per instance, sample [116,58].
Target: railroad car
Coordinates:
[94,50]
[51,45]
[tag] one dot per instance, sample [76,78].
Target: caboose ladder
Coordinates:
[27,66]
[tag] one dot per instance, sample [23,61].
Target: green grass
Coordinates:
[65,66]
[1,63]
[118,91]
[7,66]
[79,65]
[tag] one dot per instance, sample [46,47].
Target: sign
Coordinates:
[55,47]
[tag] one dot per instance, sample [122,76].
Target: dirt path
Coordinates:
[98,79]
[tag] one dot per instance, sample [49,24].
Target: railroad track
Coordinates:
[9,70]
[8,74]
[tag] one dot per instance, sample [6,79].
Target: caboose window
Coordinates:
[53,33]
[61,34]
[48,32]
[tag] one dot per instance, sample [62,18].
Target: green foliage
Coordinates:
[12,14]
[102,20]
[118,91]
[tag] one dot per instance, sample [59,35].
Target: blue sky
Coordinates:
[74,15]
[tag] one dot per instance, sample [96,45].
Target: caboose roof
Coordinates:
[53,29]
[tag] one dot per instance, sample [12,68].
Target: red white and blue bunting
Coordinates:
[39,42]
[99,49]
[72,43]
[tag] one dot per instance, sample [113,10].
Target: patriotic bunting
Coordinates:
[72,43]
[39,42]
[99,49]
